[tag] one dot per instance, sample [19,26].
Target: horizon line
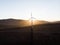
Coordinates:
[26,19]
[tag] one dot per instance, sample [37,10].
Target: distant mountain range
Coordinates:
[17,22]
[8,23]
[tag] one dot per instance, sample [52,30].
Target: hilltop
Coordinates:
[8,23]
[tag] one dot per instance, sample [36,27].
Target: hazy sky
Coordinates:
[21,9]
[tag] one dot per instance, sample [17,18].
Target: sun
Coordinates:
[33,21]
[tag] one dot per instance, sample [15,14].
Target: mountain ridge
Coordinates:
[10,23]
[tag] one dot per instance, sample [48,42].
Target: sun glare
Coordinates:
[33,21]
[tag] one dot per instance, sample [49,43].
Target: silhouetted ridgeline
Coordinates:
[10,23]
[14,32]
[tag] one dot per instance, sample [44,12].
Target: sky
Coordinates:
[48,10]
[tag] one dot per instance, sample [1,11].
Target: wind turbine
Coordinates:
[31,29]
